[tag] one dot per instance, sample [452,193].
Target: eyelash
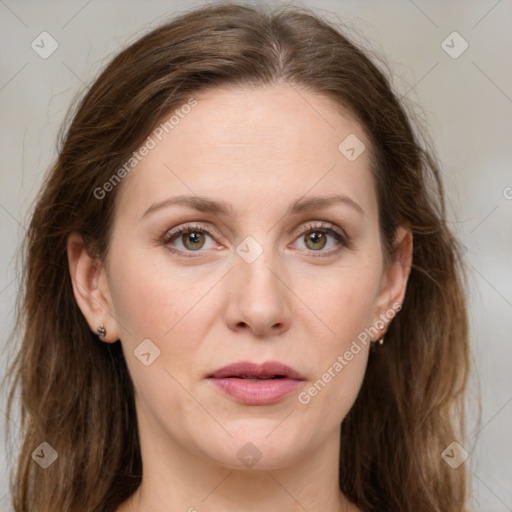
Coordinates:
[343,240]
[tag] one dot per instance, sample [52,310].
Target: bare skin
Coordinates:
[302,301]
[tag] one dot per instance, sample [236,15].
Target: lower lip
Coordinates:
[263,392]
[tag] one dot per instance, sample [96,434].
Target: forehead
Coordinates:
[253,144]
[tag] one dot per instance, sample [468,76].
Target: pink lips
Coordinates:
[275,381]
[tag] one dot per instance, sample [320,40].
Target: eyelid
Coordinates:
[342,238]
[191,226]
[327,227]
[322,225]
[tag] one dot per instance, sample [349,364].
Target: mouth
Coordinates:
[253,371]
[253,384]
[256,379]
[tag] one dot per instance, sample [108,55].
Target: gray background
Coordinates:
[466,101]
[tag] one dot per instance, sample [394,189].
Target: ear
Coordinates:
[394,281]
[90,288]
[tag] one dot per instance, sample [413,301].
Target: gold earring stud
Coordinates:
[381,341]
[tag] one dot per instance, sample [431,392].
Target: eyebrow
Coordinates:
[204,204]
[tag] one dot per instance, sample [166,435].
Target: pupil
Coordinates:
[193,238]
[314,237]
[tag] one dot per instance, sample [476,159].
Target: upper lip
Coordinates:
[253,370]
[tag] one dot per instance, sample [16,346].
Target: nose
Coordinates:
[258,297]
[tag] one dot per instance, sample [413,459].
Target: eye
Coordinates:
[191,237]
[316,238]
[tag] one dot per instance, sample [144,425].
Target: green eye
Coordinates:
[316,238]
[192,238]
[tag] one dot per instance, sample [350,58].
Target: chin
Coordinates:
[257,448]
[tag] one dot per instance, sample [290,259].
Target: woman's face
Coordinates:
[279,274]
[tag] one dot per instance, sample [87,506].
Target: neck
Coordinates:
[176,480]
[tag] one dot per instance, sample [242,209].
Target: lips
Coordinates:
[253,384]
[248,370]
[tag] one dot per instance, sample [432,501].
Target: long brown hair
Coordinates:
[76,392]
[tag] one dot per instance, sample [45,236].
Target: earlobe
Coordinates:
[90,289]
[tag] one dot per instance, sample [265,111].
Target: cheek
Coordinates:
[172,310]
[144,306]
[329,396]
[149,301]
[151,306]
[327,400]
[342,298]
